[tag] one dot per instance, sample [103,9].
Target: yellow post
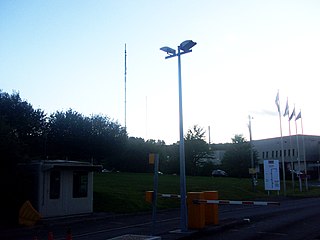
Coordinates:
[196,211]
[211,210]
[149,196]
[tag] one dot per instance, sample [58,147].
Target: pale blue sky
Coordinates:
[70,54]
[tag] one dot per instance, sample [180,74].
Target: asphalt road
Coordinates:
[293,219]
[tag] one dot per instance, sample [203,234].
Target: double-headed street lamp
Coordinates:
[184,47]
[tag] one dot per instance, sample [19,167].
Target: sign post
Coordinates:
[154,159]
[271,175]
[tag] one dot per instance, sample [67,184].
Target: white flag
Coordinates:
[286,111]
[277,102]
[298,116]
[292,114]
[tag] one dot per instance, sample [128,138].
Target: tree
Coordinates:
[169,159]
[22,126]
[68,136]
[74,136]
[108,140]
[21,138]
[237,159]
[196,150]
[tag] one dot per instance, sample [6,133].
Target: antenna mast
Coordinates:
[125,86]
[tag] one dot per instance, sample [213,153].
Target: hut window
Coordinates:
[54,184]
[80,184]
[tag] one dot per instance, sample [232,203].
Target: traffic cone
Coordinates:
[69,234]
[50,235]
[35,236]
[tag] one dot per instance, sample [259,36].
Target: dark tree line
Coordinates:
[28,134]
[237,159]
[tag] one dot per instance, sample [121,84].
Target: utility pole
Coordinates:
[251,151]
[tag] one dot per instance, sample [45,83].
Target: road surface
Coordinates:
[294,219]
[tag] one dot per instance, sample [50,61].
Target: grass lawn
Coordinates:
[125,192]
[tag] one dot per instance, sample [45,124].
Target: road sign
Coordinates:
[271,175]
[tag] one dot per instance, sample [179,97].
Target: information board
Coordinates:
[271,175]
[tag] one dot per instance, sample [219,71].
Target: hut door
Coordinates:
[55,199]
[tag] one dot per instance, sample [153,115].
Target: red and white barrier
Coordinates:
[225,202]
[221,202]
[169,195]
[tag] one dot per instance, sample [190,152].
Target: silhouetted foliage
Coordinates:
[237,159]
[21,138]
[196,151]
[76,137]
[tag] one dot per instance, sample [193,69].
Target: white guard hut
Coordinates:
[60,188]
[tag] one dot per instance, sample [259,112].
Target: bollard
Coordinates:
[211,210]
[50,235]
[69,234]
[149,196]
[196,212]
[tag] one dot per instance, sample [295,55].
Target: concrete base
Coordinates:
[178,231]
[135,237]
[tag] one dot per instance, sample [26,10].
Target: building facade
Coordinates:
[300,152]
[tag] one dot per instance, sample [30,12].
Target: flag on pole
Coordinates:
[292,114]
[286,111]
[277,102]
[298,116]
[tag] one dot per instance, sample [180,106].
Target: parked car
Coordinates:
[300,174]
[297,173]
[219,173]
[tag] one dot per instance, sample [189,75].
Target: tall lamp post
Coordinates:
[184,47]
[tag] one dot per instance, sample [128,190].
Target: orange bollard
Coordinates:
[69,235]
[50,235]
[149,196]
[196,212]
[211,210]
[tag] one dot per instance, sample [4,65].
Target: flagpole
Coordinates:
[290,140]
[298,152]
[282,157]
[282,152]
[291,157]
[304,153]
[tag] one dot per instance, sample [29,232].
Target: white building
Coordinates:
[300,152]
[58,187]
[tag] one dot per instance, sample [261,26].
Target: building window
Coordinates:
[267,154]
[262,155]
[55,179]
[288,152]
[293,152]
[272,154]
[276,153]
[80,184]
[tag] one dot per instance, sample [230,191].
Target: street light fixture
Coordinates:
[184,47]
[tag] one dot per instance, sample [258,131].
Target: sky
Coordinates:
[62,55]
